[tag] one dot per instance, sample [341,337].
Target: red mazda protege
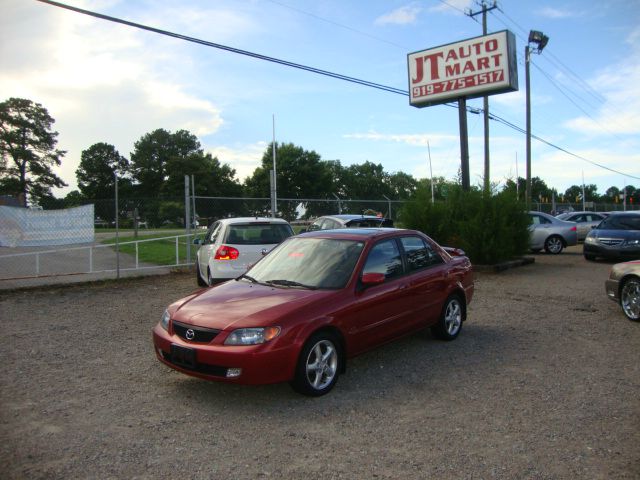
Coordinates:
[314,301]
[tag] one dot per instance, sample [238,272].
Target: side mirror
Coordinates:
[369,279]
[197,241]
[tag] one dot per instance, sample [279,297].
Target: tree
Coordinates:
[28,150]
[96,173]
[300,174]
[153,152]
[574,193]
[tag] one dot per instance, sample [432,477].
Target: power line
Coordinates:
[309,69]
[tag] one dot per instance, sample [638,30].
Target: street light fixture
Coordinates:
[540,41]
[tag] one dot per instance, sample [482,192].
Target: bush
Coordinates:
[489,228]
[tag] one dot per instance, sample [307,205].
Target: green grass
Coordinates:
[158,252]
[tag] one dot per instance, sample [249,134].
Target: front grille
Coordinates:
[611,242]
[201,334]
[204,368]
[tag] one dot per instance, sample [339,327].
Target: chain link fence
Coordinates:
[156,234]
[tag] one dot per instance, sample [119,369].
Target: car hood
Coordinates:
[239,304]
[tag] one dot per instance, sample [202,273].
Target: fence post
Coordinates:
[187,219]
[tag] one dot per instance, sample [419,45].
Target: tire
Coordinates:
[553,245]
[630,298]
[450,322]
[201,282]
[210,280]
[589,257]
[318,366]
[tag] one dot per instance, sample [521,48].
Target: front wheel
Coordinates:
[553,245]
[318,366]
[450,322]
[630,299]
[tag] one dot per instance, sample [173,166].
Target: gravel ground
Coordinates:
[543,383]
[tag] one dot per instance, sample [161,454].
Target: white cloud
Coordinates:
[619,85]
[452,6]
[400,16]
[556,13]
[244,159]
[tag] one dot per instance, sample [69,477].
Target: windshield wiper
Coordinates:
[290,283]
[251,279]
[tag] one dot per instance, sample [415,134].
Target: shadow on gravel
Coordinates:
[419,360]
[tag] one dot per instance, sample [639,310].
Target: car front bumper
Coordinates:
[256,364]
[618,251]
[612,288]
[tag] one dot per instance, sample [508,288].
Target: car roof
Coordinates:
[231,221]
[359,233]
[345,217]
[627,212]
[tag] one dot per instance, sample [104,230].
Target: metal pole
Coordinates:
[389,204]
[339,204]
[485,104]
[430,172]
[193,201]
[527,57]
[115,174]
[187,218]
[274,193]
[464,144]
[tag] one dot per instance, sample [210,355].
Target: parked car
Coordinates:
[623,287]
[550,233]
[330,222]
[232,245]
[617,236]
[585,221]
[317,299]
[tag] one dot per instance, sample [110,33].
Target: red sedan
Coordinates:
[314,301]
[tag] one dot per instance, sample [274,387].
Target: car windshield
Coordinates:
[620,222]
[262,233]
[309,263]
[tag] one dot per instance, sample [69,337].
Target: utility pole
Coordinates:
[487,168]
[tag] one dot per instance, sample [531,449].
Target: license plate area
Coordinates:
[183,356]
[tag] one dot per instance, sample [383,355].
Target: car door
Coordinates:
[426,281]
[539,230]
[379,312]
[581,225]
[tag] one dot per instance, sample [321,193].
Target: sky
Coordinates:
[107,82]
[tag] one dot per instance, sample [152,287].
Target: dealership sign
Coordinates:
[472,68]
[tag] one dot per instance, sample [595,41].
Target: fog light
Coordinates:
[234,372]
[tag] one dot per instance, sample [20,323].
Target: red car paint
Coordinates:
[363,317]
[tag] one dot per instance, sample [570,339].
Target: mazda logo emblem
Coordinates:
[190,334]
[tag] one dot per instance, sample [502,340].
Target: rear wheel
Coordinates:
[553,245]
[630,298]
[318,365]
[201,282]
[450,322]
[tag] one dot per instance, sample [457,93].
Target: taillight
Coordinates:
[573,229]
[225,252]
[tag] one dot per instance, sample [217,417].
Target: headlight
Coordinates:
[252,336]
[165,320]
[590,240]
[633,243]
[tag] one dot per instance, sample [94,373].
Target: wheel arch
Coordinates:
[337,334]
[624,280]
[459,292]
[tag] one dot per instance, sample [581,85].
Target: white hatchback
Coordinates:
[232,245]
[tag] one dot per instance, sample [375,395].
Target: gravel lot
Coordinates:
[543,383]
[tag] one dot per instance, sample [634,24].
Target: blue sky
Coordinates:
[105,82]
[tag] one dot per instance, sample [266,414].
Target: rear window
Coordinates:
[370,222]
[257,233]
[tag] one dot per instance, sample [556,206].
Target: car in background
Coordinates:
[617,236]
[623,287]
[317,299]
[550,233]
[232,245]
[330,222]
[585,221]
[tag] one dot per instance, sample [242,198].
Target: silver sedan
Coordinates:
[585,221]
[623,287]
[550,233]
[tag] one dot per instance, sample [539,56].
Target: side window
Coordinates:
[419,253]
[212,233]
[579,218]
[384,257]
[330,224]
[539,220]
